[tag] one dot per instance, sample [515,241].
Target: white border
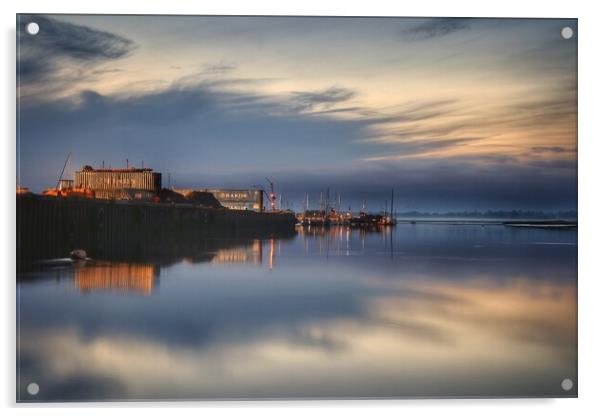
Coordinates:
[590,135]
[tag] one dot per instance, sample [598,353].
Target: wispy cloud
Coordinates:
[219,68]
[324,99]
[436,28]
[107,71]
[551,149]
[538,126]
[507,99]
[63,53]
[424,147]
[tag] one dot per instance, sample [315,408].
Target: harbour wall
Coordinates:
[49,227]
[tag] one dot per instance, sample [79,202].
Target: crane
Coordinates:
[272,195]
[67,161]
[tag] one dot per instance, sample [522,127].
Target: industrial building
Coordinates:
[239,199]
[65,184]
[144,184]
[128,183]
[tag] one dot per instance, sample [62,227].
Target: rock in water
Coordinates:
[78,254]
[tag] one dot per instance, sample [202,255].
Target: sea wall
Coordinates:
[50,227]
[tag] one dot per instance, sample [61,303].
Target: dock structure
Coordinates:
[52,227]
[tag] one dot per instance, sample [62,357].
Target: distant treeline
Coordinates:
[517,214]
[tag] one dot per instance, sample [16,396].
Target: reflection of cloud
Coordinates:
[412,329]
[520,310]
[420,337]
[245,306]
[318,338]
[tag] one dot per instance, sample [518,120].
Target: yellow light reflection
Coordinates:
[118,277]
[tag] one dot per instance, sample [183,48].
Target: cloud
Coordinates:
[533,127]
[205,134]
[204,129]
[414,148]
[63,53]
[550,149]
[220,68]
[436,28]
[107,71]
[61,39]
[209,128]
[444,184]
[324,99]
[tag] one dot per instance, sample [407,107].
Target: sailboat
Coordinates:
[392,219]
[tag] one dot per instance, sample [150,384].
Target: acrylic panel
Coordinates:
[263,207]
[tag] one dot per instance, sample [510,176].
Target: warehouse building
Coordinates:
[128,183]
[239,199]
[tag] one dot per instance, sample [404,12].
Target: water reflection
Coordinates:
[94,275]
[424,310]
[252,254]
[118,277]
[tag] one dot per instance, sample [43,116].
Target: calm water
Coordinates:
[423,310]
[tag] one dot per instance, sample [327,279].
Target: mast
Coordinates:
[272,195]
[58,184]
[391,203]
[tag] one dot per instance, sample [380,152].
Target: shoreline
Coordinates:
[49,227]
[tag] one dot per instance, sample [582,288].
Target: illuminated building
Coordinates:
[128,183]
[65,184]
[240,199]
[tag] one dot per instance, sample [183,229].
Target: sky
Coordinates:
[452,113]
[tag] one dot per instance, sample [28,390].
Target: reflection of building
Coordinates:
[272,254]
[242,199]
[129,183]
[245,254]
[121,277]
